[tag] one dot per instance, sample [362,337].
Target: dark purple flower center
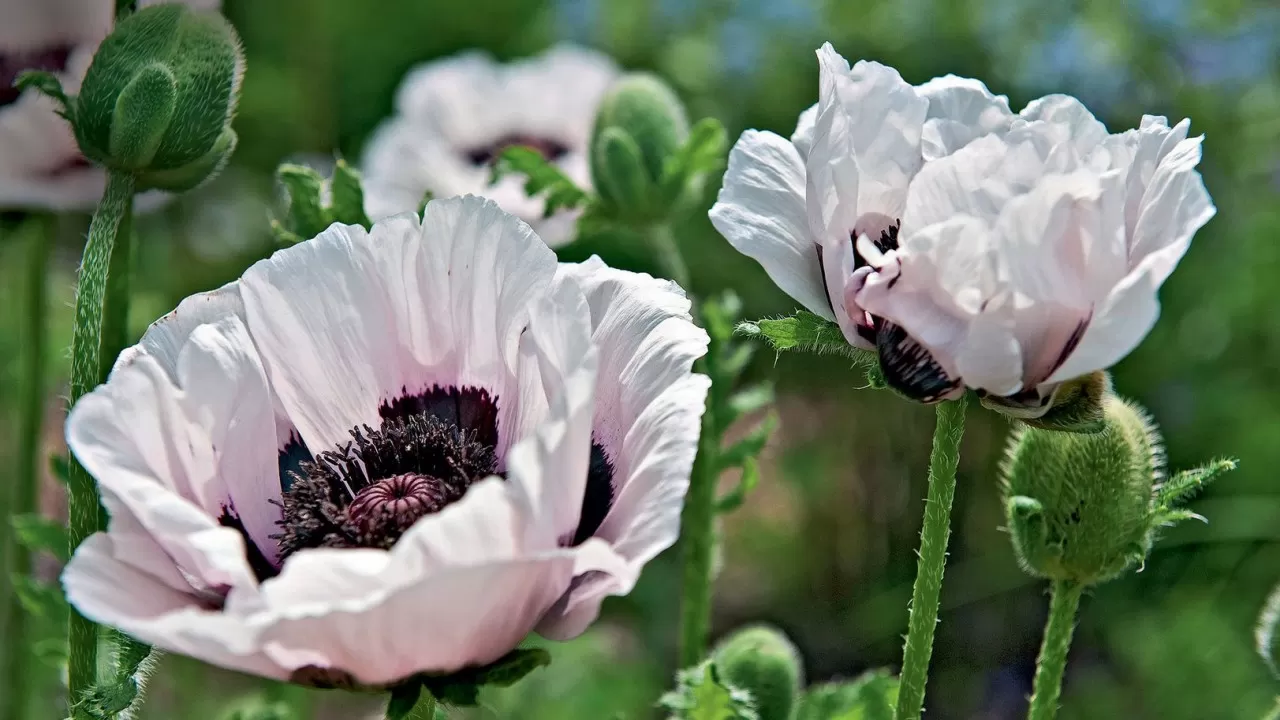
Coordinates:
[53,59]
[395,503]
[551,150]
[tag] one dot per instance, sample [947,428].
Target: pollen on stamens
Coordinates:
[369,492]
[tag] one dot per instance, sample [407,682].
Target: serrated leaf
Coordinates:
[542,177]
[307,217]
[870,697]
[347,196]
[749,447]
[701,695]
[704,152]
[38,533]
[804,332]
[1265,635]
[40,599]
[1187,483]
[734,499]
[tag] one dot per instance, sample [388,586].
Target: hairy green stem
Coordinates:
[1064,602]
[26,486]
[934,535]
[697,524]
[87,370]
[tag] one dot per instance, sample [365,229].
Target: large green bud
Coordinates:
[158,99]
[639,126]
[762,661]
[1082,506]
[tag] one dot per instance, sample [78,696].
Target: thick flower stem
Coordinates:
[934,536]
[1064,602]
[26,485]
[91,339]
[698,543]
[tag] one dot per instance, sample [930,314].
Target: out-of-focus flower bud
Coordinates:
[762,661]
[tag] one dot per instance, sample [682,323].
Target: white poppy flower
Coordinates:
[383,453]
[41,167]
[1035,257]
[879,159]
[454,116]
[792,206]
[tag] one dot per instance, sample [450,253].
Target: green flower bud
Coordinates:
[1082,507]
[639,126]
[762,661]
[158,99]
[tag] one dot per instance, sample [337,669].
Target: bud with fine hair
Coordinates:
[1081,507]
[762,661]
[639,126]
[158,99]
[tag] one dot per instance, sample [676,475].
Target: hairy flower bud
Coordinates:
[639,126]
[1081,507]
[762,661]
[158,98]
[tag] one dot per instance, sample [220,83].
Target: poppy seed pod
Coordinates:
[158,98]
[641,124]
[764,662]
[1081,507]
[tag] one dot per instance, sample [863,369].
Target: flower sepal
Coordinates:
[1074,406]
[702,694]
[46,83]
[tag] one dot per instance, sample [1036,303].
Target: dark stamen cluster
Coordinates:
[370,491]
[549,149]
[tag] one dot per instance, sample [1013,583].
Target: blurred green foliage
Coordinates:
[824,548]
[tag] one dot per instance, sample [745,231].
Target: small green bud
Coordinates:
[1076,406]
[158,99]
[762,661]
[639,126]
[1081,507]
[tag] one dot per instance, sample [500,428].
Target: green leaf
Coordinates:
[736,357]
[871,697]
[46,83]
[543,177]
[463,687]
[804,332]
[733,499]
[748,400]
[749,447]
[40,599]
[1265,636]
[701,695]
[347,196]
[703,153]
[38,533]
[307,216]
[1184,485]
[60,466]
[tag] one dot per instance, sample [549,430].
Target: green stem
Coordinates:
[87,369]
[26,486]
[697,524]
[1064,602]
[934,535]
[665,248]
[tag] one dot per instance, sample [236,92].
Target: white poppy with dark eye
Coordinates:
[1032,258]
[455,116]
[796,206]
[41,167]
[390,452]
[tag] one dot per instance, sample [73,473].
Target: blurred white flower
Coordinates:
[454,116]
[877,164]
[387,452]
[41,167]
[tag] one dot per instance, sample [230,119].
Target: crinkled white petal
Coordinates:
[354,319]
[761,212]
[802,136]
[961,110]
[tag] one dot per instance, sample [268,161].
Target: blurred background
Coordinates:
[824,548]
